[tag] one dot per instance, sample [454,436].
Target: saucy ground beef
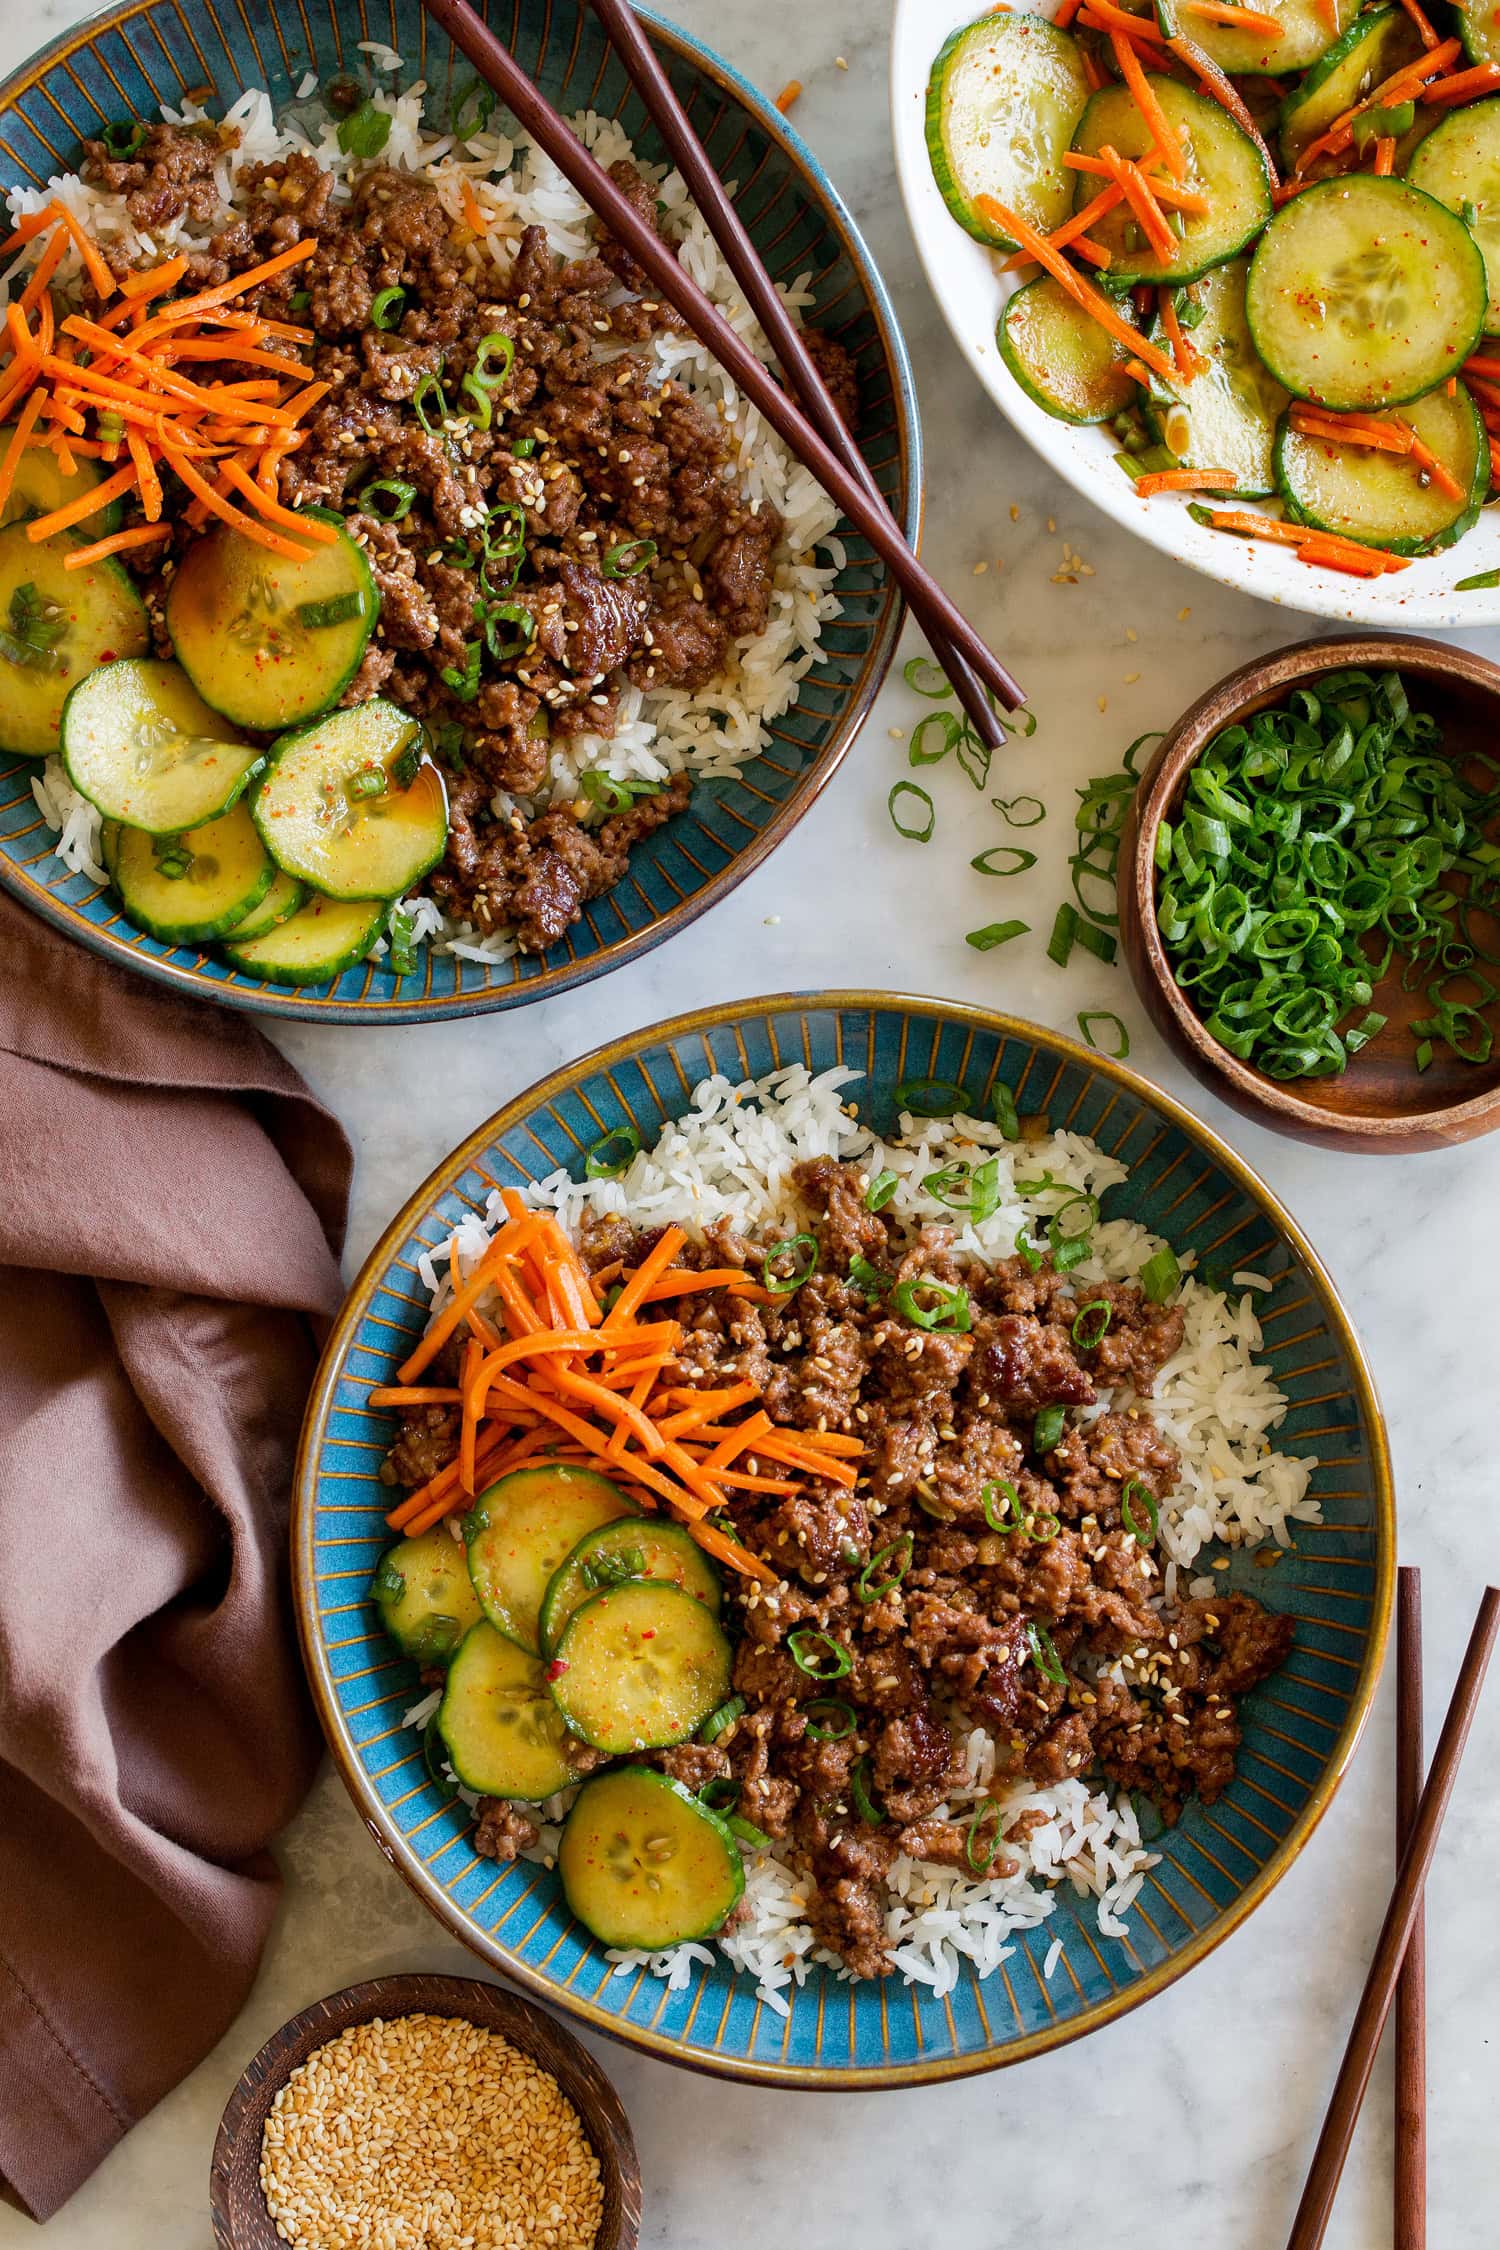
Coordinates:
[948,1621]
[504,411]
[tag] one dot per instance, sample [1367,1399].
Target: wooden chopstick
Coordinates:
[764,299]
[1410,2216]
[1316,2207]
[930,605]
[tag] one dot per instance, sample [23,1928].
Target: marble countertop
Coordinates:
[1208,2099]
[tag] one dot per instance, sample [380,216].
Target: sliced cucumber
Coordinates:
[1060,355]
[523,1529]
[352,805]
[1478,30]
[56,625]
[1225,417]
[644,1864]
[639,1666]
[314,945]
[267,639]
[1365,292]
[281,902]
[197,885]
[422,1592]
[110,833]
[1375,46]
[633,1547]
[1003,102]
[503,1732]
[1224,165]
[1384,499]
[1459,163]
[1304,36]
[39,486]
[139,740]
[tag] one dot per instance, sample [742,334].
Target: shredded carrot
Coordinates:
[1436,471]
[729,1551]
[1165,191]
[117,543]
[1072,229]
[306,527]
[1065,13]
[1184,358]
[1350,560]
[790,94]
[145,473]
[474,218]
[192,308]
[1166,136]
[1133,185]
[1107,17]
[37,222]
[1185,480]
[46,266]
[1385,157]
[1082,292]
[1244,19]
[17,446]
[84,504]
[138,287]
[413,1394]
[1329,11]
[1482,79]
[1297,535]
[102,280]
[1327,428]
[1093,70]
[1209,75]
[1481,365]
[217,505]
[1494,458]
[1425,32]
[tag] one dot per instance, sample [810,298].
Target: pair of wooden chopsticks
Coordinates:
[1399,1961]
[826,449]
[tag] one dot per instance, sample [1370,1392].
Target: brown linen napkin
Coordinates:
[171,1206]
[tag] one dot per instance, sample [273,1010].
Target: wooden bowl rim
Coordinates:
[491,2006]
[1250,687]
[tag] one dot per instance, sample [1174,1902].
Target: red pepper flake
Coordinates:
[557,1667]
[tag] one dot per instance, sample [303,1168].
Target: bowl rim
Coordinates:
[822,2077]
[1167,528]
[287,1002]
[593,2094]
[1251,685]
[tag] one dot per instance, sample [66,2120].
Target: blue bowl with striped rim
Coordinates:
[1300,1726]
[140,53]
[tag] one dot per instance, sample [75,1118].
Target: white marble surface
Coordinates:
[1201,2108]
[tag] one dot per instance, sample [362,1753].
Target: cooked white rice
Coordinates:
[714,731]
[730,1157]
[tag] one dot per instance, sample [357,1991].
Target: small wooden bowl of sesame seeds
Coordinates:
[424,2110]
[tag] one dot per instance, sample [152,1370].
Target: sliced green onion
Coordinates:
[1003,1513]
[859,1789]
[1160,1276]
[388,499]
[995,933]
[979,1859]
[482,378]
[368,782]
[1064,930]
[1101,943]
[1019,859]
[803,1248]
[121,140]
[931,1097]
[837,1709]
[1048,1428]
[1003,1110]
[365,131]
[1091,1323]
[880,1190]
[523,448]
[1007,806]
[464,684]
[870,1279]
[718,1722]
[387,307]
[1043,1655]
[894,1559]
[472,110]
[614,792]
[1129,1517]
[720,1793]
[628,558]
[494,616]
[910,789]
[1089,1017]
[338,610]
[933,1306]
[1480,583]
[401,936]
[924,677]
[746,1831]
[426,390]
[613,1153]
[111,427]
[828,1661]
[946,726]
[1028,1253]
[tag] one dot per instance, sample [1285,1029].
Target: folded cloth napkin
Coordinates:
[171,1208]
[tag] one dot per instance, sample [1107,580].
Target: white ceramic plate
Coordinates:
[967,282]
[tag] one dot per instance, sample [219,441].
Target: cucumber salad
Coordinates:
[378,562]
[1258,245]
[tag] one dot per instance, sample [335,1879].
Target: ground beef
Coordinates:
[503,1830]
[836,366]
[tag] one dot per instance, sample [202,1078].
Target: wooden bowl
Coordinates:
[236,2203]
[1381,1103]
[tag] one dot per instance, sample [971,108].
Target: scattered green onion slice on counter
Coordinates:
[992,934]
[1007,807]
[387,308]
[910,789]
[628,558]
[1128,1516]
[837,1709]
[933,1306]
[613,1153]
[931,1097]
[894,1559]
[802,1248]
[1064,930]
[830,1661]
[880,1190]
[1091,1323]
[719,1721]
[1048,1428]
[941,723]
[1019,858]
[859,1789]
[1042,1653]
[924,677]
[1086,1021]
[1160,1277]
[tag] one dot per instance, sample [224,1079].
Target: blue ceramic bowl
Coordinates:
[1300,1726]
[138,54]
